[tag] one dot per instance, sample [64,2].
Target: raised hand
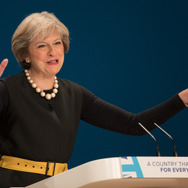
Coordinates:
[3,66]
[184,96]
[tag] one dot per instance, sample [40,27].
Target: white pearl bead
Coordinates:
[55,90]
[53,95]
[48,96]
[42,94]
[34,85]
[38,90]
[56,85]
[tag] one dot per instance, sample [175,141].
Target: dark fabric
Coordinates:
[33,128]
[11,178]
[105,115]
[37,129]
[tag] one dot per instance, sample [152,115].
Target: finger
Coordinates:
[3,66]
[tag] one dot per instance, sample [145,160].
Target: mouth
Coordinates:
[53,62]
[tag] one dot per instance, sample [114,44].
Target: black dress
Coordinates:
[36,129]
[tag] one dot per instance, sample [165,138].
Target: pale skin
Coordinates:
[42,54]
[46,57]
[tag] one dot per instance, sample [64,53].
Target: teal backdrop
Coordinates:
[131,53]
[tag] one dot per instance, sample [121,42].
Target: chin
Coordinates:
[55,70]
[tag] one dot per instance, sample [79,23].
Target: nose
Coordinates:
[51,50]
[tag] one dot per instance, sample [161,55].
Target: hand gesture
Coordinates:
[3,66]
[184,96]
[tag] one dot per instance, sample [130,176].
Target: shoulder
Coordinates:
[14,83]
[72,87]
[69,85]
[13,78]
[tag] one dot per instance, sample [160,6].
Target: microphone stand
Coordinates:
[175,153]
[144,128]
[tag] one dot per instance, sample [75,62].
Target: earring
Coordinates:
[27,61]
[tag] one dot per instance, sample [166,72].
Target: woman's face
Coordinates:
[46,56]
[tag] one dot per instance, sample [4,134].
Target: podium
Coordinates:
[119,172]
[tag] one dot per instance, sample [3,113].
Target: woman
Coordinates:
[40,113]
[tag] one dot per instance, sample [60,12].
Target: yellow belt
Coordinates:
[45,168]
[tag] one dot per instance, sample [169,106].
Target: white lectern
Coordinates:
[122,172]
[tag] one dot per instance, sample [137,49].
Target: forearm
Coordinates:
[162,112]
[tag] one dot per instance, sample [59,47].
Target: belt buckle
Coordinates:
[47,168]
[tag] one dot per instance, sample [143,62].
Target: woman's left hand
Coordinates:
[184,96]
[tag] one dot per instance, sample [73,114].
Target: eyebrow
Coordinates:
[38,42]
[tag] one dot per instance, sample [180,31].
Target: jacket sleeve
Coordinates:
[105,115]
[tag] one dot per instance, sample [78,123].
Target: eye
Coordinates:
[41,46]
[58,42]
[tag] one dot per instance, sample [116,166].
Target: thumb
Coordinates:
[3,66]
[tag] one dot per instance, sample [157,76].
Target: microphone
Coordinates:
[158,151]
[175,153]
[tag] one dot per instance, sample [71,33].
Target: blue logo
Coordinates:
[135,167]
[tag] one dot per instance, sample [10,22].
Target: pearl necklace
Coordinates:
[48,96]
